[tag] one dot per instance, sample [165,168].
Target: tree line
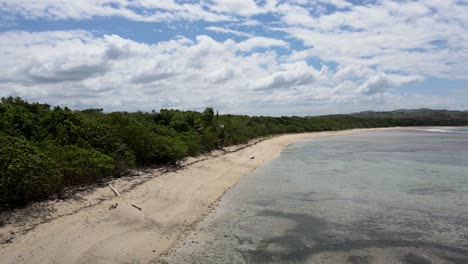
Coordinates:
[45,149]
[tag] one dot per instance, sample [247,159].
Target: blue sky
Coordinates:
[265,57]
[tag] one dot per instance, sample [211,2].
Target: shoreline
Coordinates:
[88,229]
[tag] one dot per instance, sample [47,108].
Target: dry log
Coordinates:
[113,189]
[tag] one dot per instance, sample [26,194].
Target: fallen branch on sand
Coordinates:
[136,206]
[113,189]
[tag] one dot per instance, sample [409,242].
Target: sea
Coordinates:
[385,196]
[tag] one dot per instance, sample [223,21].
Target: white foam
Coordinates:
[438,130]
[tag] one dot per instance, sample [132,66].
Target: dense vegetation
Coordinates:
[438,116]
[44,150]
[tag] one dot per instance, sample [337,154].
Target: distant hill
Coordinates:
[415,114]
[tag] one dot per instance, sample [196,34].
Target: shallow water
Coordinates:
[369,197]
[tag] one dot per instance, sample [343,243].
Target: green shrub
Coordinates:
[79,165]
[169,150]
[124,159]
[209,139]
[25,173]
[191,142]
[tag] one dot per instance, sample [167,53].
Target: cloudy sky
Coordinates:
[259,57]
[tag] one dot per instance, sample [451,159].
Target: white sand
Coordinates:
[86,231]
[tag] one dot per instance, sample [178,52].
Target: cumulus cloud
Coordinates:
[79,69]
[381,82]
[239,7]
[260,42]
[391,36]
[153,11]
[276,66]
[352,71]
[118,71]
[42,65]
[228,31]
[289,76]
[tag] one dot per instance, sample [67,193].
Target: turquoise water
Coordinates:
[369,197]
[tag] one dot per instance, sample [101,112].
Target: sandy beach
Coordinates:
[100,227]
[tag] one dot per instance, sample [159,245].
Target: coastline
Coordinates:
[87,230]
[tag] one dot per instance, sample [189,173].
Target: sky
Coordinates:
[256,57]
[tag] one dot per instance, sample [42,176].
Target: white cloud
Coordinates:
[340,3]
[288,76]
[228,31]
[238,7]
[81,70]
[154,11]
[388,35]
[296,15]
[376,46]
[381,82]
[260,42]
[352,71]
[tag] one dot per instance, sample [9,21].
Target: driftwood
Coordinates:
[136,206]
[113,189]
